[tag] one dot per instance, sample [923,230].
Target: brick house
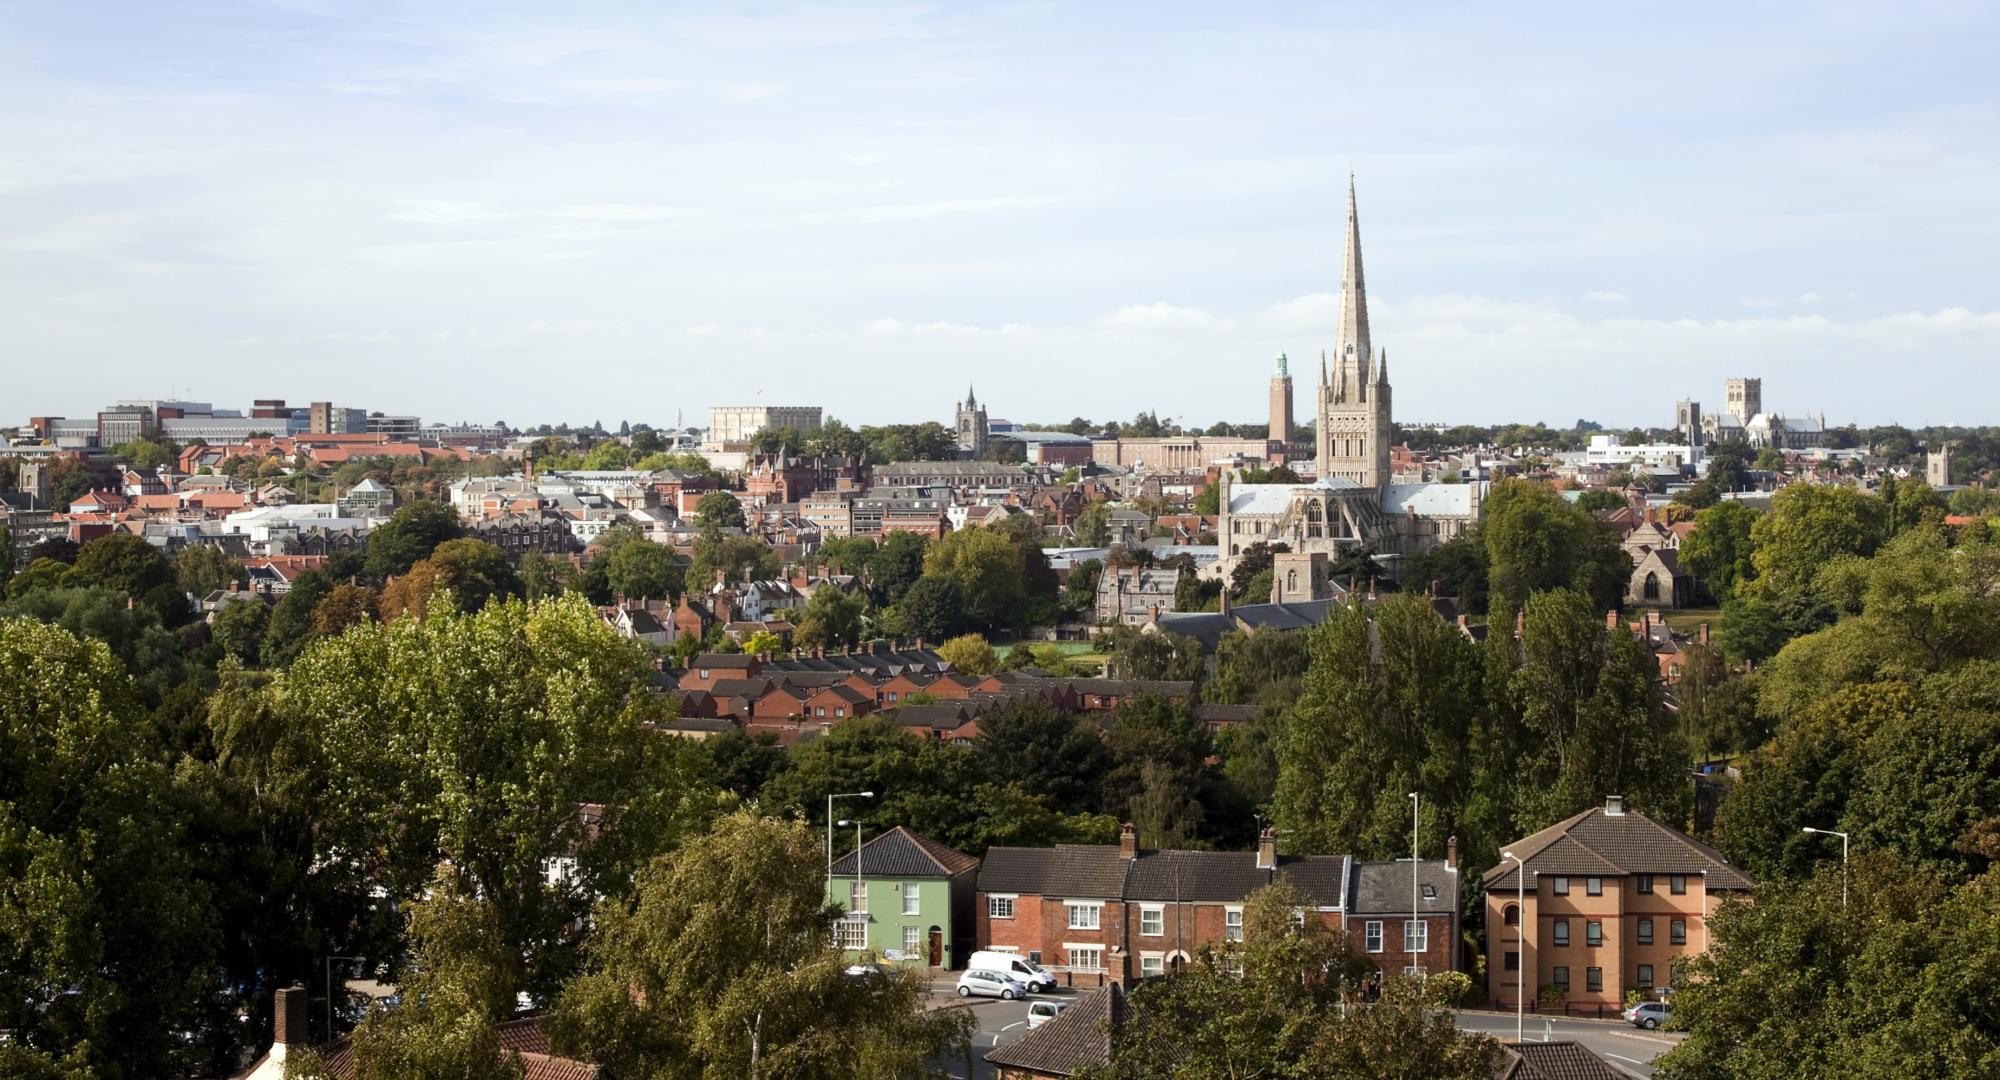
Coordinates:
[1612,897]
[708,669]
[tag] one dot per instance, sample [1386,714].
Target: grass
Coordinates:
[1689,620]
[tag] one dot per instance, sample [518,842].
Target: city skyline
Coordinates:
[455,216]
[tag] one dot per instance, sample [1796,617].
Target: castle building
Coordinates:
[971,424]
[1351,502]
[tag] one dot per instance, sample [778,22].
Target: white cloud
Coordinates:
[1606,296]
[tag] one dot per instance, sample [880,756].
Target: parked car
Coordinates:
[990,984]
[1648,1014]
[1041,1012]
[1038,978]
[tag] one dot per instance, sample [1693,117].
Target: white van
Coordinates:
[1037,978]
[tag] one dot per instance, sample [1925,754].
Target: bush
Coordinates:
[1550,996]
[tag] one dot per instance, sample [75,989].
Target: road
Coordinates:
[1001,1022]
[1613,1040]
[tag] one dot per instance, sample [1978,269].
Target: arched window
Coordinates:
[1652,585]
[1512,915]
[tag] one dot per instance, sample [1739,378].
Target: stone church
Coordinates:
[1352,501]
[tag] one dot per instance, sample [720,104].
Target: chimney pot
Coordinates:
[1702,633]
[1267,849]
[1128,841]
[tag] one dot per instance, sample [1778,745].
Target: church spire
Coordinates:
[1382,368]
[969,399]
[1353,346]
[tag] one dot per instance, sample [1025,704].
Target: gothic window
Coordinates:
[1652,585]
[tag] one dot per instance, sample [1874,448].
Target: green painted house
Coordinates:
[907,898]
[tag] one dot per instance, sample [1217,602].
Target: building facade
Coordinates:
[729,424]
[1611,899]
[906,899]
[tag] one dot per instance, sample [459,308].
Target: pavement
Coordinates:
[1613,1040]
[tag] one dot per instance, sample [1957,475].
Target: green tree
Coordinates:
[239,628]
[1809,526]
[201,569]
[1718,551]
[1460,566]
[970,654]
[840,616]
[734,557]
[474,572]
[642,569]
[1093,525]
[1030,743]
[543,577]
[410,535]
[719,510]
[1259,666]
[896,565]
[1597,500]
[1131,654]
[677,985]
[987,566]
[1535,540]
[133,568]
[146,649]
[933,608]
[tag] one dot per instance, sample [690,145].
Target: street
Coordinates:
[1001,1022]
[1615,1041]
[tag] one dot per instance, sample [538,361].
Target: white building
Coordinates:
[1608,450]
[737,423]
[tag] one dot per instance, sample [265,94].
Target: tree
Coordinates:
[1255,560]
[1728,466]
[839,615]
[1809,526]
[543,577]
[1093,525]
[149,652]
[677,985]
[344,606]
[896,565]
[1031,743]
[734,557]
[1080,591]
[719,510]
[453,997]
[1718,551]
[239,628]
[133,568]
[1892,980]
[1535,540]
[641,569]
[1262,665]
[107,939]
[1598,500]
[988,568]
[933,608]
[411,534]
[473,571]
[201,569]
[491,728]
[1294,1011]
[1132,654]
[1460,567]
[970,654]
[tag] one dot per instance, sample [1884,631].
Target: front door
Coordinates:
[937,947]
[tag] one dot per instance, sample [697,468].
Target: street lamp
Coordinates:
[1520,941]
[829,824]
[1416,893]
[1843,856]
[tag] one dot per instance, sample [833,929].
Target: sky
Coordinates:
[579,211]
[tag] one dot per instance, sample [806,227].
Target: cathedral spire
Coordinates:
[1382,368]
[1353,346]
[1322,367]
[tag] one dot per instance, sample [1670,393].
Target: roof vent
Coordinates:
[1614,806]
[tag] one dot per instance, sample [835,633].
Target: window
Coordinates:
[819,710]
[1151,964]
[1372,934]
[1511,915]
[851,933]
[1232,923]
[1645,978]
[1085,957]
[913,901]
[1152,921]
[1416,935]
[890,697]
[1561,978]
[1593,886]
[1430,892]
[1678,884]
[857,897]
[1593,934]
[913,940]
[1593,980]
[1513,962]
[1084,916]
[1645,931]
[839,711]
[1645,883]
[1560,886]
[1561,928]
[1677,932]
[704,672]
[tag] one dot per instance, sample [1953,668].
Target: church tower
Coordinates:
[1353,399]
[972,430]
[1281,404]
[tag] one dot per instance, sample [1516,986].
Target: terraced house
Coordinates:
[907,898]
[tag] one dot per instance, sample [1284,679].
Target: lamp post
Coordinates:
[1843,856]
[1520,942]
[829,824]
[1416,896]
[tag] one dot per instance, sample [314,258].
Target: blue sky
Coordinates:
[592,211]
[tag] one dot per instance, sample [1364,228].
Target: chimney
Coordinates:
[1701,633]
[288,1021]
[1225,597]
[1156,614]
[1128,841]
[1611,619]
[1434,588]
[1614,806]
[1267,849]
[920,643]
[1451,853]
[1521,623]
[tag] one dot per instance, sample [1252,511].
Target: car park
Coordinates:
[990,984]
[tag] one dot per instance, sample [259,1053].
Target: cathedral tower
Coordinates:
[1353,399]
[972,428]
[1281,404]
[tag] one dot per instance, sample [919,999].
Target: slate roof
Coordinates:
[1099,871]
[1553,1061]
[1612,845]
[1075,1040]
[1383,888]
[723,660]
[1218,713]
[901,853]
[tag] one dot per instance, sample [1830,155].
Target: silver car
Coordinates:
[991,984]
[1648,1014]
